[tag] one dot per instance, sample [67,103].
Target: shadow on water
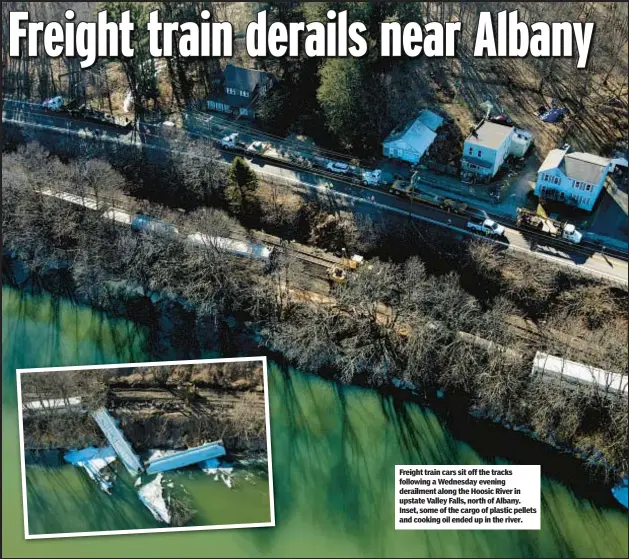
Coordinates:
[54,494]
[335,448]
[334,452]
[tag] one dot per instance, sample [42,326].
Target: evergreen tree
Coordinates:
[243,183]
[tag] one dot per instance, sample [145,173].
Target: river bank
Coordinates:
[176,321]
[169,407]
[334,452]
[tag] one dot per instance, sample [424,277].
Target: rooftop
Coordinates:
[415,135]
[244,78]
[553,160]
[430,119]
[490,135]
[580,166]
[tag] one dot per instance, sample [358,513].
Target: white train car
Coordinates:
[238,248]
[577,373]
[118,216]
[89,203]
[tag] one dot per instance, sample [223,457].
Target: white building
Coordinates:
[521,140]
[413,140]
[576,179]
[486,149]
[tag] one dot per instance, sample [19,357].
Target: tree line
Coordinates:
[347,104]
[404,320]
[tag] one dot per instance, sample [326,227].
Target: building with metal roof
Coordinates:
[413,140]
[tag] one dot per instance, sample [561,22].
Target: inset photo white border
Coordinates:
[29,536]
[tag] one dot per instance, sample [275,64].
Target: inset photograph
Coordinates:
[147,447]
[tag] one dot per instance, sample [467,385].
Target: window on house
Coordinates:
[480,153]
[556,180]
[231,91]
[471,151]
[588,187]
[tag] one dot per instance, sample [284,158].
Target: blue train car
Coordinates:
[144,223]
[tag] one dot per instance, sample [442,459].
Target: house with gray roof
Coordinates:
[576,179]
[240,91]
[410,142]
[485,150]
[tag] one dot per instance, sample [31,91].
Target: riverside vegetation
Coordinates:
[165,407]
[434,291]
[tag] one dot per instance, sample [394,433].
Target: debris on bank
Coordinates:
[223,470]
[620,492]
[185,458]
[152,497]
[93,460]
[157,454]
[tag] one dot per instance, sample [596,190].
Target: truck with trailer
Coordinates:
[372,178]
[71,108]
[559,230]
[232,142]
[408,190]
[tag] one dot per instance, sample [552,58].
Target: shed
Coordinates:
[520,142]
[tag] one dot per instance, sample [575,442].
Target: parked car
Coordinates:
[336,167]
[53,103]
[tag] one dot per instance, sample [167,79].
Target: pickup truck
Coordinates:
[486,227]
[53,104]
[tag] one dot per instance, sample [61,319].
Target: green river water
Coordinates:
[334,452]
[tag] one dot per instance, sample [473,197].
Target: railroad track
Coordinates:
[586,248]
[313,256]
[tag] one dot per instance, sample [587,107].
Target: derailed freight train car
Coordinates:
[244,249]
[556,368]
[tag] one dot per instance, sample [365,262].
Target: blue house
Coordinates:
[576,179]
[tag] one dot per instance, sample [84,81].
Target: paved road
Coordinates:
[350,196]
